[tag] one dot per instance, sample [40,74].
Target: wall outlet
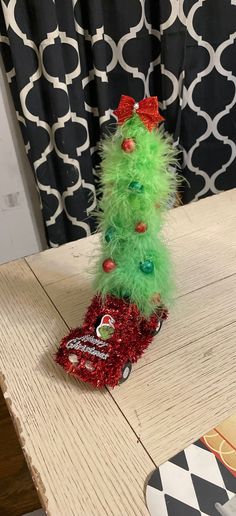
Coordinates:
[11,200]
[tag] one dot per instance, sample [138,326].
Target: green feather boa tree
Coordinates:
[136,187]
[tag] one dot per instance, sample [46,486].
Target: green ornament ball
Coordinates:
[136,187]
[147,267]
[109,234]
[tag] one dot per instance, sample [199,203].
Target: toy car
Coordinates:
[96,353]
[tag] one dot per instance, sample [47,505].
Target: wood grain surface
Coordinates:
[54,265]
[177,398]
[84,457]
[90,452]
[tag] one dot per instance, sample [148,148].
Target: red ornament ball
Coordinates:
[108,265]
[128,145]
[141,227]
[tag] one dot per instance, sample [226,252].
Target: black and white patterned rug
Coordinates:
[192,483]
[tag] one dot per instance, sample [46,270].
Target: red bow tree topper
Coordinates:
[146,109]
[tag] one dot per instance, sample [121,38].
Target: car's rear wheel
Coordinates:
[125,372]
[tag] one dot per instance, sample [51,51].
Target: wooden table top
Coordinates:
[90,452]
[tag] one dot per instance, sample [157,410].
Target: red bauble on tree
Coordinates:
[141,227]
[128,145]
[108,265]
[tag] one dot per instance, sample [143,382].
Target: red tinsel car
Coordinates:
[112,337]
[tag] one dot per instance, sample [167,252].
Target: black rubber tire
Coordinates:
[125,372]
[158,328]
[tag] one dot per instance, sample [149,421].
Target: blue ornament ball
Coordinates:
[136,187]
[109,234]
[147,266]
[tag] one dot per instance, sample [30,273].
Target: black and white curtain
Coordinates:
[68,62]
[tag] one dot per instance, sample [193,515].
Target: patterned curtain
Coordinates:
[68,62]
[198,66]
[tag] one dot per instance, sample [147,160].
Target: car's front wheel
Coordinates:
[125,372]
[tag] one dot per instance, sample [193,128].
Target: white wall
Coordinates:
[21,224]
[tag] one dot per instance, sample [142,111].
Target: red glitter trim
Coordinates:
[132,335]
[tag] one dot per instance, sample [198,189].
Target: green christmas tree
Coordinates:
[136,184]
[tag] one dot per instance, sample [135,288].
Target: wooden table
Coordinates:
[90,452]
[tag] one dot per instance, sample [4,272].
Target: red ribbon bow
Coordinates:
[146,109]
